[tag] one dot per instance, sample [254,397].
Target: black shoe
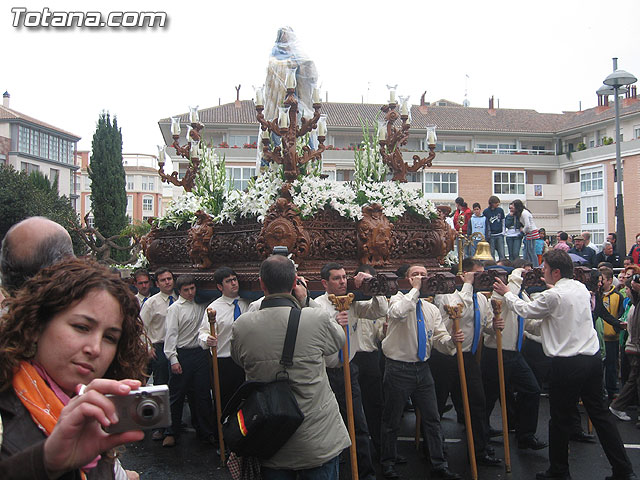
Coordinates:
[583,437]
[533,443]
[401,460]
[628,476]
[488,461]
[445,473]
[552,476]
[388,471]
[494,432]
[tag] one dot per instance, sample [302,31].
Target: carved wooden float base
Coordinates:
[326,237]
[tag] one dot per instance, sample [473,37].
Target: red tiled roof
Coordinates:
[10,114]
[449,118]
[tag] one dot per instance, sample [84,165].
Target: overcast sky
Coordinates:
[544,55]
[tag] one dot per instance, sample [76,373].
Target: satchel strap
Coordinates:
[290,338]
[292,326]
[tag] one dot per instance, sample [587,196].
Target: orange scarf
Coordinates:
[36,396]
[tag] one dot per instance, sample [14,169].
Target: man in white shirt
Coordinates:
[189,359]
[334,280]
[153,314]
[369,333]
[228,308]
[415,327]
[142,282]
[518,375]
[476,319]
[570,339]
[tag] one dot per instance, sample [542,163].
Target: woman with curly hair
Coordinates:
[71,336]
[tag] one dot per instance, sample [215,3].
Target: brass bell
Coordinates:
[483,251]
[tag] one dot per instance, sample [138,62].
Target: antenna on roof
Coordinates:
[465,102]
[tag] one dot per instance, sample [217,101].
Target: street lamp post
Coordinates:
[618,79]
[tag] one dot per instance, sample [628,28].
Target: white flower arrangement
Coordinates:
[182,211]
[260,195]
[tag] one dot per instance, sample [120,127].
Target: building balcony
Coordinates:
[514,151]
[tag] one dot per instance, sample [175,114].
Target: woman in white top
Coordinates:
[530,231]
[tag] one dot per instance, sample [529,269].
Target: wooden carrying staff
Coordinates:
[497,310]
[211,313]
[455,312]
[342,304]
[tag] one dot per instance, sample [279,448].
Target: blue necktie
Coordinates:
[236,310]
[143,300]
[170,300]
[520,328]
[476,324]
[422,333]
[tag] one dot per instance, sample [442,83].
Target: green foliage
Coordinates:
[369,166]
[41,181]
[210,182]
[108,181]
[312,168]
[136,229]
[23,196]
[607,140]
[581,146]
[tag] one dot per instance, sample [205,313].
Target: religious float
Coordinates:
[371,220]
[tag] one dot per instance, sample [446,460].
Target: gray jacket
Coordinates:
[256,345]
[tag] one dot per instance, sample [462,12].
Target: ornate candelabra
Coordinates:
[188,151]
[286,127]
[391,139]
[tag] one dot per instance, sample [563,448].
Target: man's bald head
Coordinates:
[28,247]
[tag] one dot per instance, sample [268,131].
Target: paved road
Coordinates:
[191,459]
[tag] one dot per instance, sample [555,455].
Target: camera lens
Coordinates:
[636,278]
[147,411]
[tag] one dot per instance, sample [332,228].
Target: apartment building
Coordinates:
[144,189]
[562,166]
[29,144]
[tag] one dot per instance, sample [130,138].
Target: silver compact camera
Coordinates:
[141,409]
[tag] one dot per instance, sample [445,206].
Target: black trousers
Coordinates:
[231,377]
[573,378]
[370,380]
[160,365]
[536,359]
[194,381]
[401,381]
[520,380]
[363,445]
[444,369]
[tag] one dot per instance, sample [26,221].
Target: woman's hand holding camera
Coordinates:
[78,437]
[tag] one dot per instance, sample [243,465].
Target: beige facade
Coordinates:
[29,144]
[510,153]
[144,189]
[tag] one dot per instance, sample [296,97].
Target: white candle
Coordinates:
[392,96]
[161,154]
[382,134]
[193,115]
[431,136]
[259,97]
[316,95]
[266,134]
[283,118]
[322,126]
[290,79]
[404,108]
[175,126]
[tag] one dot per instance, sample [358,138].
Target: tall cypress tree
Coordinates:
[108,181]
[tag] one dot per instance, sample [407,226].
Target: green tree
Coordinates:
[23,196]
[108,181]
